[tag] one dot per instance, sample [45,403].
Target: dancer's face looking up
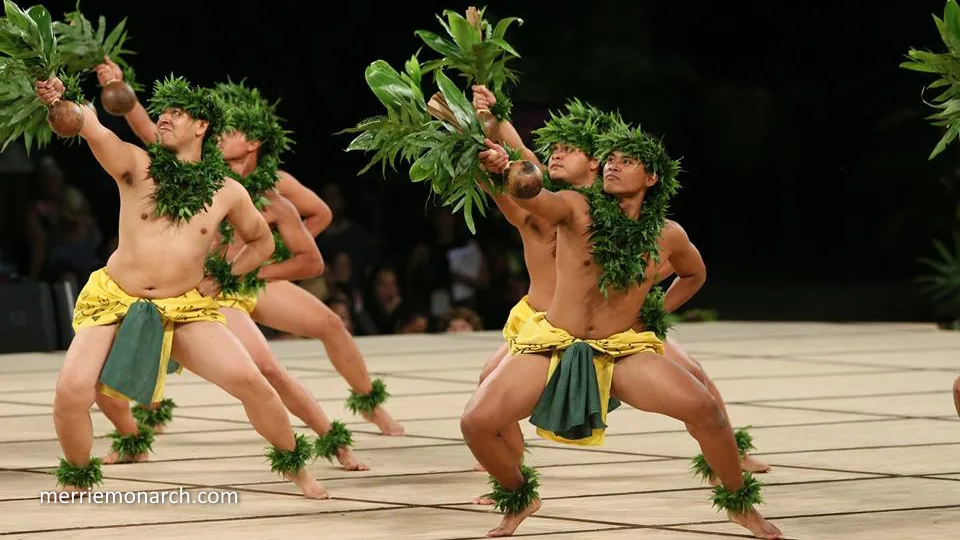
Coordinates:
[572,166]
[176,129]
[234,145]
[625,176]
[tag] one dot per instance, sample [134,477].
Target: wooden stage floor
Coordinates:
[857,420]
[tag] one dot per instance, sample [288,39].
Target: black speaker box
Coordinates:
[27,318]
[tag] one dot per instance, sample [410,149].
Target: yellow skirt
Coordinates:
[244,302]
[102,302]
[519,315]
[539,336]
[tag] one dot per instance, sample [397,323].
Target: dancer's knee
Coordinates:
[271,370]
[476,421]
[328,324]
[251,386]
[956,387]
[707,413]
[72,396]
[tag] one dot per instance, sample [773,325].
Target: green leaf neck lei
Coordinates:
[623,247]
[259,181]
[185,189]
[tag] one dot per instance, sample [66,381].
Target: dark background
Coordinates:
[806,187]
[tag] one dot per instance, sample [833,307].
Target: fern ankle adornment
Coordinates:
[84,477]
[514,502]
[328,444]
[744,441]
[158,416]
[366,403]
[741,500]
[290,461]
[700,468]
[130,446]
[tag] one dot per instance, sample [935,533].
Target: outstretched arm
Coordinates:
[316,214]
[138,118]
[686,261]
[502,132]
[515,215]
[556,208]
[250,227]
[118,158]
[305,261]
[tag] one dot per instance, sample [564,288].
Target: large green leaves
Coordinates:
[21,113]
[82,46]
[947,67]
[27,36]
[477,50]
[400,132]
[440,153]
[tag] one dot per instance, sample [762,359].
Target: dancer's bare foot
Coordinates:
[388,426]
[69,489]
[113,458]
[510,522]
[308,485]
[756,524]
[349,461]
[483,500]
[753,465]
[479,468]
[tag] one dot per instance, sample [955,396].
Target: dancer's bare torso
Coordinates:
[155,257]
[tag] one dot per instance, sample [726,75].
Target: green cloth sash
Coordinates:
[133,365]
[570,403]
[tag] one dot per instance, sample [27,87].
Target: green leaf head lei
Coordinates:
[200,103]
[578,127]
[251,114]
[623,247]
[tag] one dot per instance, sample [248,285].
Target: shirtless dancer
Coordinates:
[149,285]
[254,126]
[585,332]
[569,140]
[285,306]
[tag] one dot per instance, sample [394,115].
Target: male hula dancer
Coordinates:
[568,140]
[254,123]
[609,238]
[173,197]
[567,132]
[285,306]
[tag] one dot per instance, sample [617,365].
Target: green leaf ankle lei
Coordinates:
[699,466]
[514,502]
[366,403]
[290,461]
[741,500]
[130,446]
[158,416]
[328,444]
[82,477]
[185,189]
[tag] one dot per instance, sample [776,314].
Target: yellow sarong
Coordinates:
[102,302]
[519,315]
[243,302]
[539,336]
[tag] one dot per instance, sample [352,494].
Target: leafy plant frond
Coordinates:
[477,50]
